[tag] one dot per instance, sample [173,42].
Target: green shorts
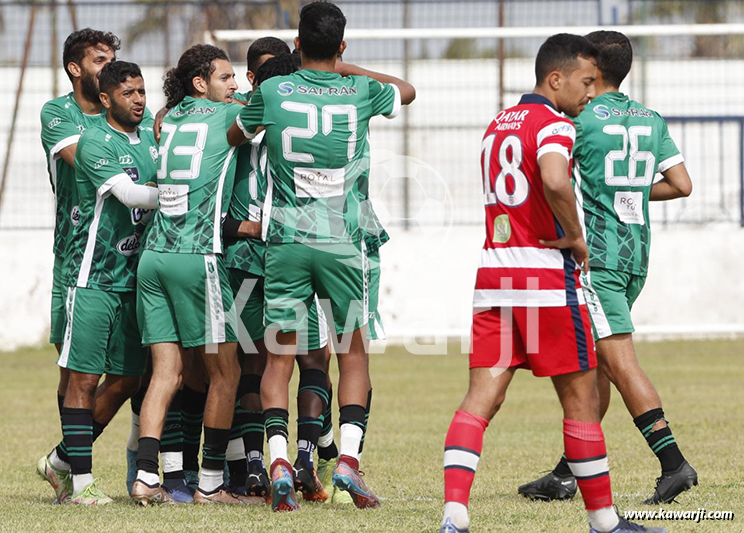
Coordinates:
[610,296]
[185,298]
[317,328]
[375,331]
[295,272]
[101,336]
[59,295]
[250,306]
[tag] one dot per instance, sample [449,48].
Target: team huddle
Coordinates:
[201,252]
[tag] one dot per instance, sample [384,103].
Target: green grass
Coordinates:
[701,383]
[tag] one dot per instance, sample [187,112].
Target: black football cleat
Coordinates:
[550,487]
[672,484]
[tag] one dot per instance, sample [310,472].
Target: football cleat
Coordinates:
[550,487]
[672,484]
[144,494]
[346,476]
[449,527]
[631,527]
[179,490]
[223,496]
[257,483]
[283,495]
[325,474]
[307,482]
[131,469]
[60,480]
[91,495]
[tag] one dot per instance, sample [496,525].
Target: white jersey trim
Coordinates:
[61,145]
[64,355]
[105,189]
[594,305]
[524,257]
[553,148]
[215,312]
[484,298]
[90,246]
[218,205]
[671,162]
[396,103]
[248,136]
[268,201]
[563,129]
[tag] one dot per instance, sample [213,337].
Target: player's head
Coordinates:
[321,31]
[123,92]
[84,54]
[297,58]
[203,71]
[261,50]
[279,65]
[566,68]
[614,56]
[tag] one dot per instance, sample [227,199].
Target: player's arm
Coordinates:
[249,121]
[157,126]
[676,183]
[59,134]
[407,91]
[241,229]
[560,196]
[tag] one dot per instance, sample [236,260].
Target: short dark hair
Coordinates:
[261,47]
[279,65]
[614,55]
[297,59]
[197,61]
[116,73]
[559,52]
[77,42]
[321,30]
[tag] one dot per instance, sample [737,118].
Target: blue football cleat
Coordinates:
[179,490]
[131,469]
[449,527]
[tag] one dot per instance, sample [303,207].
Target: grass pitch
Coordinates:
[701,384]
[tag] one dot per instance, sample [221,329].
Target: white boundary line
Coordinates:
[651,30]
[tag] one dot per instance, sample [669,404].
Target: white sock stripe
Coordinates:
[589,469]
[460,458]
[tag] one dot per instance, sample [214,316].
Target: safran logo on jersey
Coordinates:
[75,215]
[132,172]
[328,91]
[128,246]
[285,88]
[54,122]
[601,112]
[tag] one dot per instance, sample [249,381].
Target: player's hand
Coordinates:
[577,245]
[158,124]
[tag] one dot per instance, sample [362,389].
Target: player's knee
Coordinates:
[313,382]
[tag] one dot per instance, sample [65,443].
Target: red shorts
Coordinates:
[548,340]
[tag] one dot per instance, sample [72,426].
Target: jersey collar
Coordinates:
[533,98]
[317,74]
[132,137]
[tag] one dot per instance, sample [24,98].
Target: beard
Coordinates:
[122,117]
[89,86]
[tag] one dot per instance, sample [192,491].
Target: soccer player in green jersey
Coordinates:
[620,146]
[316,121]
[113,161]
[184,296]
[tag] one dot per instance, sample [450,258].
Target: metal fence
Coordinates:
[461,83]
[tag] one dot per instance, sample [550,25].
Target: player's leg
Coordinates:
[495,354]
[193,400]
[615,293]
[134,428]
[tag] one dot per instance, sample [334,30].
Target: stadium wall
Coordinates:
[694,287]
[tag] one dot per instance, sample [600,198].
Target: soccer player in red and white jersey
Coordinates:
[529,310]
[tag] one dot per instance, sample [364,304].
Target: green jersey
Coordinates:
[373,233]
[103,250]
[316,124]
[195,177]
[620,146]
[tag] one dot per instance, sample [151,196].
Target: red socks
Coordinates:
[462,449]
[587,457]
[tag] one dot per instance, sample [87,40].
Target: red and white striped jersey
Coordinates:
[515,270]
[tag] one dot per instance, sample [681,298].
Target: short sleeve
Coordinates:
[669,154]
[251,116]
[579,142]
[384,98]
[557,136]
[147,119]
[96,162]
[231,112]
[58,131]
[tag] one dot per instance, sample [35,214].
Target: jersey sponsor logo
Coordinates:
[54,122]
[326,91]
[285,88]
[195,111]
[501,229]
[126,159]
[629,207]
[141,216]
[154,153]
[100,163]
[510,120]
[173,199]
[81,128]
[631,112]
[132,172]
[319,182]
[562,129]
[602,112]
[75,215]
[128,246]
